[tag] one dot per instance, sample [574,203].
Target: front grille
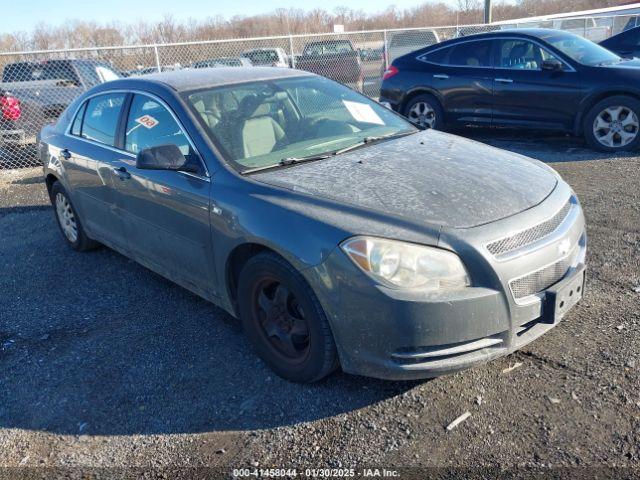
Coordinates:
[530,235]
[544,278]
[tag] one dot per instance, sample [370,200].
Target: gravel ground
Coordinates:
[105,364]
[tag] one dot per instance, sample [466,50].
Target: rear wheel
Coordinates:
[425,112]
[284,321]
[68,220]
[613,124]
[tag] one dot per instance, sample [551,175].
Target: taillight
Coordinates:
[10,107]
[389,72]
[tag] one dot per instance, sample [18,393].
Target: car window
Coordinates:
[77,122]
[439,56]
[262,56]
[580,49]
[150,124]
[328,48]
[289,117]
[522,55]
[471,54]
[101,118]
[465,54]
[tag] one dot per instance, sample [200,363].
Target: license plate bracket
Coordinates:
[563,297]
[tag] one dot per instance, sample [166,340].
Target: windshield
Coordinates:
[581,50]
[259,124]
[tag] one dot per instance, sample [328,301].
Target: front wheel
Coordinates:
[613,124]
[425,111]
[284,321]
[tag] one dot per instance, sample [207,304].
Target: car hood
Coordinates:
[429,176]
[633,64]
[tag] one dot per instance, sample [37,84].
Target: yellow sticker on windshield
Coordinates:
[147,121]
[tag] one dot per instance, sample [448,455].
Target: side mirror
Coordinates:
[552,65]
[163,157]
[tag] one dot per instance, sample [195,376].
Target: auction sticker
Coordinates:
[147,121]
[362,112]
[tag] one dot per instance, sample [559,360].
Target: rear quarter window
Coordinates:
[101,118]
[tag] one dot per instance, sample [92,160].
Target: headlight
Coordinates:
[407,265]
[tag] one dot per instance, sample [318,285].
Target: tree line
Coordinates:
[82,33]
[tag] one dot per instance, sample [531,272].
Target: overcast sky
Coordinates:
[24,14]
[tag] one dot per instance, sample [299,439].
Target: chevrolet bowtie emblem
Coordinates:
[564,246]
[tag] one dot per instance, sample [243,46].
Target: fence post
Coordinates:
[385,51]
[293,56]
[155,50]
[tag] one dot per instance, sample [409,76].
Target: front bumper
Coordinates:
[398,335]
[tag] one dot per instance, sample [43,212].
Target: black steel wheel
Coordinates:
[284,320]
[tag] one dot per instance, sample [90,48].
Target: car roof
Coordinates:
[193,79]
[532,33]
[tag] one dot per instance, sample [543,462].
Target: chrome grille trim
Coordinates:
[530,235]
[543,278]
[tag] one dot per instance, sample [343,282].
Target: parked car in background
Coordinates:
[35,93]
[141,71]
[626,44]
[223,62]
[370,54]
[589,27]
[267,57]
[337,232]
[525,78]
[403,42]
[334,59]
[585,27]
[136,72]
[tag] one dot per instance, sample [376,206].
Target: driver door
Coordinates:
[165,212]
[525,95]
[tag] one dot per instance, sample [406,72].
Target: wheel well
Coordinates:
[596,99]
[414,94]
[50,180]
[237,259]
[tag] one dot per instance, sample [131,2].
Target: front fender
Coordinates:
[598,94]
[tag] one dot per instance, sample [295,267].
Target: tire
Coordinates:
[284,320]
[69,221]
[425,111]
[613,124]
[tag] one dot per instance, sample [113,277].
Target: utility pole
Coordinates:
[487,11]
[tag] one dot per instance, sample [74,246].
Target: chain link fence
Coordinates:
[37,86]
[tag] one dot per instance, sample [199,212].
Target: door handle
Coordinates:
[66,154]
[504,80]
[121,172]
[442,76]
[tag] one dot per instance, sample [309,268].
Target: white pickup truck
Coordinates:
[33,94]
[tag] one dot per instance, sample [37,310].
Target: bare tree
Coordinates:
[279,22]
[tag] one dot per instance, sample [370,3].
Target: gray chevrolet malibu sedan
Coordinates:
[338,233]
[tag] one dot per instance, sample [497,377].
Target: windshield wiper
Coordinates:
[291,161]
[321,156]
[368,140]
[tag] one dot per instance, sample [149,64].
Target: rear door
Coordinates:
[166,213]
[525,95]
[87,154]
[463,76]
